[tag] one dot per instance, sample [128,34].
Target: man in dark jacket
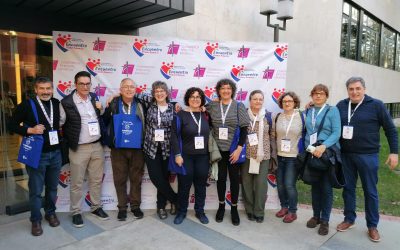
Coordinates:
[47,172]
[125,120]
[80,113]
[362,117]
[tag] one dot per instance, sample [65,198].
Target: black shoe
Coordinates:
[100,214]
[250,217]
[137,213]
[77,220]
[162,214]
[235,216]
[219,217]
[121,215]
[259,219]
[174,209]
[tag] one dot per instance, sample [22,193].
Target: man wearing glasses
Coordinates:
[80,114]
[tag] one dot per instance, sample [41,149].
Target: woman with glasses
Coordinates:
[289,127]
[322,138]
[226,115]
[192,133]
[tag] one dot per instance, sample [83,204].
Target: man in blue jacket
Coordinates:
[362,117]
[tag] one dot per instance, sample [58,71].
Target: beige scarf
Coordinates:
[260,119]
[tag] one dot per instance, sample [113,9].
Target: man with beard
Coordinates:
[40,116]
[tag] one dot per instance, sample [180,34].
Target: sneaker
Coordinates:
[179,218]
[121,215]
[250,217]
[373,234]
[100,214]
[282,212]
[290,217]
[202,218]
[323,228]
[344,226]
[259,219]
[77,220]
[162,213]
[313,222]
[137,213]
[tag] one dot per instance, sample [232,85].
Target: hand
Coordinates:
[178,107]
[392,161]
[111,98]
[98,105]
[309,105]
[216,99]
[179,160]
[319,150]
[203,109]
[234,157]
[37,130]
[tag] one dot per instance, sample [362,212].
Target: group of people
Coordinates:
[218,137]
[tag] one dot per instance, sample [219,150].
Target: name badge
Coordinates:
[159,135]
[313,138]
[199,142]
[94,128]
[285,145]
[223,133]
[253,139]
[347,132]
[53,137]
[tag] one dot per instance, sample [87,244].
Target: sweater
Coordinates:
[367,120]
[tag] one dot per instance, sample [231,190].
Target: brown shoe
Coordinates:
[37,228]
[373,234]
[282,212]
[313,222]
[344,226]
[290,217]
[53,220]
[323,228]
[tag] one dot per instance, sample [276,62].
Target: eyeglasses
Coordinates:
[287,101]
[84,84]
[319,93]
[128,87]
[159,91]
[195,97]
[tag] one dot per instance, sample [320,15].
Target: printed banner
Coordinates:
[178,62]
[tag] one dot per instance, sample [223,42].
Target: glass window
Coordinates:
[345,35]
[398,53]
[346,9]
[348,46]
[370,41]
[387,48]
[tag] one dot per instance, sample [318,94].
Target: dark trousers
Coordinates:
[322,197]
[286,180]
[197,167]
[224,166]
[159,176]
[366,166]
[127,163]
[45,175]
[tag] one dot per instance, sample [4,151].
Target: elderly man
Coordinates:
[125,121]
[362,117]
[80,114]
[40,117]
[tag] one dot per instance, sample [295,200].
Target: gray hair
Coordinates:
[125,80]
[354,79]
[159,85]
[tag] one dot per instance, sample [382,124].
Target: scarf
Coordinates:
[260,135]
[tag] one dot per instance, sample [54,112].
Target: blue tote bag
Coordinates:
[127,129]
[31,146]
[172,166]
[235,142]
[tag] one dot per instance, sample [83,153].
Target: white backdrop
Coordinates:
[181,64]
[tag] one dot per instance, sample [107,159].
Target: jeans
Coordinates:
[224,166]
[366,166]
[159,176]
[322,197]
[47,175]
[286,180]
[197,167]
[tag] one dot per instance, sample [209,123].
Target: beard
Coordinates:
[45,97]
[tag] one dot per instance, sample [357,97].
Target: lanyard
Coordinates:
[51,118]
[289,125]
[158,116]
[349,114]
[223,115]
[254,123]
[314,118]
[91,114]
[197,122]
[129,109]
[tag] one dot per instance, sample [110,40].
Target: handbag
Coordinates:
[172,166]
[31,147]
[235,142]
